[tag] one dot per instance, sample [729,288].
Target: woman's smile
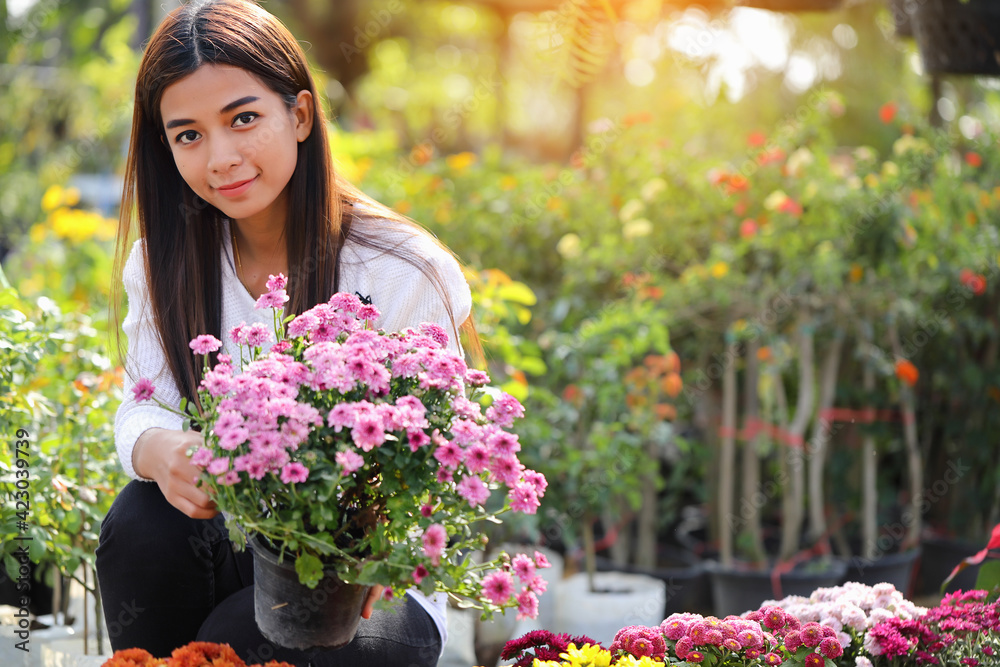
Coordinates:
[237,189]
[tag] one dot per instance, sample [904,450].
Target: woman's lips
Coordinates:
[236,189]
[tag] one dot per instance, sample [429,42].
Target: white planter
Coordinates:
[623,599]
[10,655]
[69,653]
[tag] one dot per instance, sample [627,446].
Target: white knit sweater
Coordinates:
[401,292]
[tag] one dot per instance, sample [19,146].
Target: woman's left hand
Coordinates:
[374,595]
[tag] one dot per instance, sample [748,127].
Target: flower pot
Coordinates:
[620,599]
[792,5]
[958,38]
[736,591]
[894,568]
[297,617]
[685,580]
[939,558]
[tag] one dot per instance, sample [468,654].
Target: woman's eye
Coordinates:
[244,119]
[186,137]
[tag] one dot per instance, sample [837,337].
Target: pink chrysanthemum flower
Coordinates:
[811,634]
[527,605]
[752,653]
[793,640]
[276,282]
[449,454]
[257,334]
[524,499]
[143,390]
[498,587]
[218,466]
[731,644]
[435,538]
[831,648]
[368,433]
[275,299]
[695,656]
[774,618]
[474,490]
[813,660]
[229,478]
[772,659]
[524,567]
[294,473]
[505,410]
[349,461]
[302,325]
[205,344]
[435,332]
[683,647]
[201,457]
[476,377]
[541,560]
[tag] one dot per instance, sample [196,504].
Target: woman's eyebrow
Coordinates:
[229,107]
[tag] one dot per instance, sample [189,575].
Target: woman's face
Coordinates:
[234,140]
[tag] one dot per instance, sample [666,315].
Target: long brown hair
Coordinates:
[184,234]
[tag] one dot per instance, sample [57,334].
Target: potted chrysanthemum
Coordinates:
[354,455]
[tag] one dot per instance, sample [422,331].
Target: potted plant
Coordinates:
[958,36]
[382,468]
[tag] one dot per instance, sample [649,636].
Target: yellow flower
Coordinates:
[890,169]
[774,200]
[632,661]
[52,198]
[553,204]
[637,228]
[460,161]
[569,246]
[871,180]
[632,208]
[720,269]
[37,233]
[586,655]
[546,663]
[653,187]
[508,182]
[74,225]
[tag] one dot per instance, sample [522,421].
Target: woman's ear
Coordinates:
[303,112]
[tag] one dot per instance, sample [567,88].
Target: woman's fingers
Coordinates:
[374,595]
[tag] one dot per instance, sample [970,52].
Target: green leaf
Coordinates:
[518,293]
[988,578]
[309,569]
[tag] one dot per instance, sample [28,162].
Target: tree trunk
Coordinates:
[727,456]
[748,510]
[821,436]
[645,548]
[869,489]
[791,526]
[908,401]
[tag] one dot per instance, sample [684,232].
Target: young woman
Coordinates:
[229,180]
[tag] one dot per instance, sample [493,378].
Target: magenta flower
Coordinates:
[435,538]
[258,334]
[541,560]
[294,473]
[831,648]
[204,344]
[811,634]
[426,511]
[498,587]
[523,499]
[419,573]
[276,282]
[474,490]
[449,454]
[811,660]
[368,433]
[684,647]
[695,656]
[143,390]
[773,659]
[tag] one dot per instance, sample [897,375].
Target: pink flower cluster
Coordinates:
[499,587]
[964,624]
[759,636]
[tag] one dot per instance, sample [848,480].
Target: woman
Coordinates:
[229,180]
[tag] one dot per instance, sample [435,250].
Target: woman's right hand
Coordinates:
[161,455]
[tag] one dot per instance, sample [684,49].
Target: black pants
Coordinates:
[167,580]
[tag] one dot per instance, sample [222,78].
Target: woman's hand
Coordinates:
[161,455]
[374,595]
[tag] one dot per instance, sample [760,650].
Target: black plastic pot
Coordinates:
[737,591]
[895,568]
[956,37]
[793,5]
[297,617]
[940,556]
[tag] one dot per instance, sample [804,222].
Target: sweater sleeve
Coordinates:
[145,359]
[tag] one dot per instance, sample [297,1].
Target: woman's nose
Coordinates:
[224,155]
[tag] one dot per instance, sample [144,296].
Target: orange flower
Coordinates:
[907,372]
[737,183]
[576,160]
[402,206]
[652,292]
[790,206]
[887,112]
[856,273]
[748,228]
[773,155]
[764,354]
[756,139]
[672,385]
[572,393]
[665,411]
[132,657]
[973,159]
[636,118]
[970,219]
[422,153]
[673,362]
